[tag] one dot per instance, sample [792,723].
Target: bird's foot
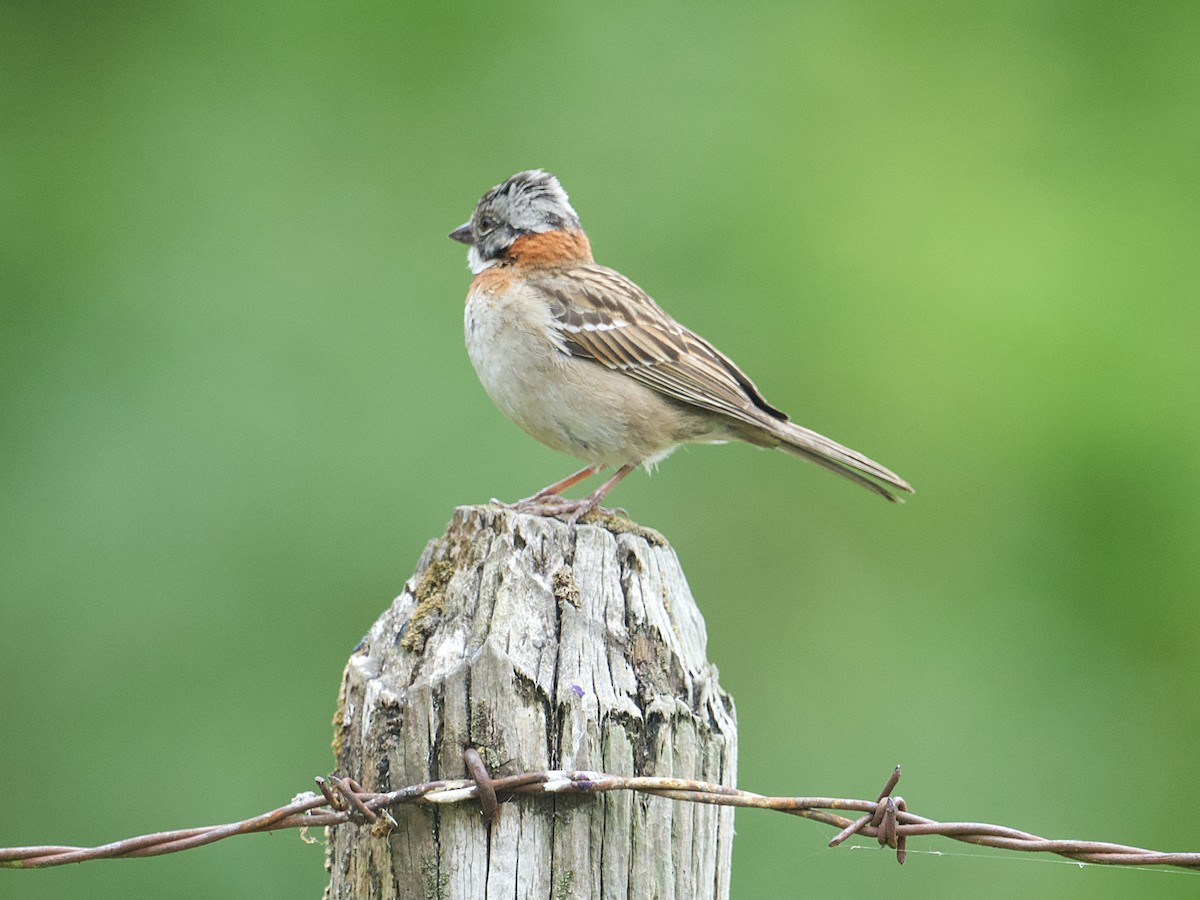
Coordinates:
[550,502]
[557,507]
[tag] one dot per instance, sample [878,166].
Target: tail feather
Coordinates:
[831,455]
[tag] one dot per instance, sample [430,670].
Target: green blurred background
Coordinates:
[235,404]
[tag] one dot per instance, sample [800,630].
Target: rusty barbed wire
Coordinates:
[343,800]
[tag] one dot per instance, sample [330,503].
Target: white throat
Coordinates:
[477,262]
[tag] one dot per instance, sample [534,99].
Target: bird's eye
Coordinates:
[486,223]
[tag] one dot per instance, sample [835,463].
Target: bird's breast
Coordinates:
[511,345]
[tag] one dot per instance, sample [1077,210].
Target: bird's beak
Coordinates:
[463,234]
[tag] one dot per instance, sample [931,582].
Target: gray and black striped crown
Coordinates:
[532,201]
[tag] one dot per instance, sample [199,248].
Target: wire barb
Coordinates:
[335,802]
[883,818]
[484,786]
[350,789]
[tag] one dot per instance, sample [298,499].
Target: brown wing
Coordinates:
[603,316]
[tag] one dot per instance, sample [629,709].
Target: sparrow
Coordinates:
[580,357]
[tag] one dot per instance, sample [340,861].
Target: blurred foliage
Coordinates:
[234,402]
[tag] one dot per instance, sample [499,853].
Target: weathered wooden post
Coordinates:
[546,646]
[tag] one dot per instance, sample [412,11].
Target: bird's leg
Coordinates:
[547,501]
[592,500]
[570,481]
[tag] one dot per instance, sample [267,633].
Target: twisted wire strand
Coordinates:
[343,801]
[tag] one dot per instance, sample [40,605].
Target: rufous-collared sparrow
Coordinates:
[582,359]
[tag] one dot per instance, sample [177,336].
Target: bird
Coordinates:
[583,360]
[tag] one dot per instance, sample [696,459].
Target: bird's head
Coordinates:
[530,202]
